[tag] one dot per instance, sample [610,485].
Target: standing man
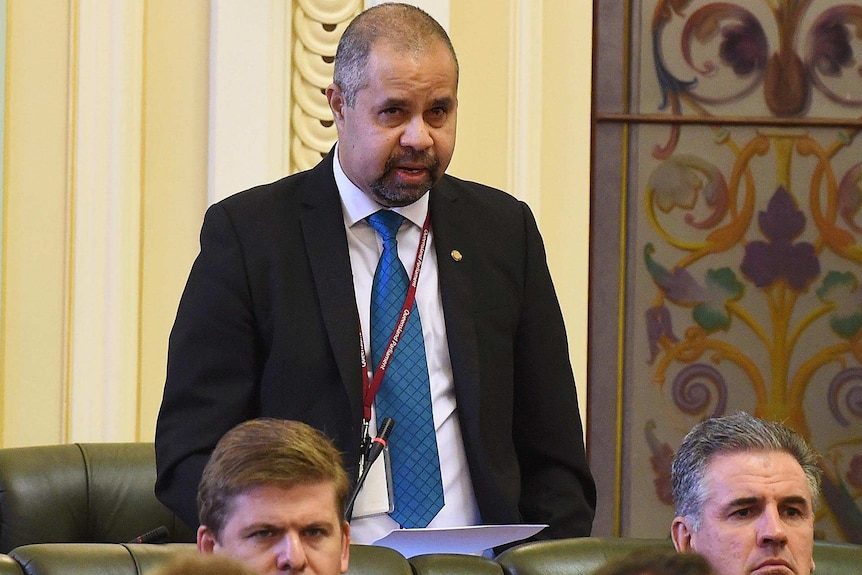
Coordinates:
[745,491]
[272,497]
[284,311]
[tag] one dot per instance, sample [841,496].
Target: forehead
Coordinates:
[275,504]
[755,474]
[429,67]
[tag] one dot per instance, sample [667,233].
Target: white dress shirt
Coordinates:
[460,507]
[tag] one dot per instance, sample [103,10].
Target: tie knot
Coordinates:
[386,223]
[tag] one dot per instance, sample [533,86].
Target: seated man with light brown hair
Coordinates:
[202,564]
[272,496]
[657,562]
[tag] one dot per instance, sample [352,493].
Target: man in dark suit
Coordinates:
[274,320]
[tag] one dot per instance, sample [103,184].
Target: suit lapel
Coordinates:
[326,243]
[452,232]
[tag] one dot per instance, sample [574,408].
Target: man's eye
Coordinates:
[744,512]
[262,534]
[794,512]
[438,114]
[436,117]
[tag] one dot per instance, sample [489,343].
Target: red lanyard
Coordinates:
[369,388]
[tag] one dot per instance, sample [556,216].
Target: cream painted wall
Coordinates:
[480,32]
[104,192]
[565,166]
[35,252]
[106,163]
[489,37]
[174,179]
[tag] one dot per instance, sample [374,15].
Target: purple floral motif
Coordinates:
[658,326]
[743,43]
[852,398]
[765,263]
[850,197]
[830,49]
[854,474]
[692,393]
[708,301]
[744,46]
[661,459]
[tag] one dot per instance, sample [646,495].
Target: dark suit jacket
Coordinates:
[268,326]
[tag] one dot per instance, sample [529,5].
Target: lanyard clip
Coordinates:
[364,446]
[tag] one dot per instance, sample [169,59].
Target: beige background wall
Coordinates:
[122,124]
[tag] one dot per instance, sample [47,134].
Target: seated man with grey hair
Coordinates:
[745,491]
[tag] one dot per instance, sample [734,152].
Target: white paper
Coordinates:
[472,540]
[373,498]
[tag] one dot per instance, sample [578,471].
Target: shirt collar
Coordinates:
[357,205]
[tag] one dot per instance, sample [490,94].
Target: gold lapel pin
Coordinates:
[456,255]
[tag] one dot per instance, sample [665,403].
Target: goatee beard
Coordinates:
[395,194]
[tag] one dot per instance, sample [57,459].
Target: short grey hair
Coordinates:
[728,435]
[404,26]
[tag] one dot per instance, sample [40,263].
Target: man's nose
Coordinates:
[771,528]
[291,554]
[416,134]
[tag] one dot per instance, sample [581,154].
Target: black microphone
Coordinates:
[157,535]
[377,445]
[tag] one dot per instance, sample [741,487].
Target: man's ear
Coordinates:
[345,546]
[206,540]
[335,97]
[680,533]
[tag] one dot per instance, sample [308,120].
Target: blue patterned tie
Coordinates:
[405,394]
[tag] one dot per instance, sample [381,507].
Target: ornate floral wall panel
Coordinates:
[726,272]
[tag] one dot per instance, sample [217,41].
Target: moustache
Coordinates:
[427,161]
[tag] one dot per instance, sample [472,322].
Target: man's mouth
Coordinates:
[412,173]
[774,566]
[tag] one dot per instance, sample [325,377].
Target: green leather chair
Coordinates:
[9,566]
[147,558]
[582,556]
[92,558]
[585,555]
[81,493]
[140,559]
[837,558]
[452,564]
[370,560]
